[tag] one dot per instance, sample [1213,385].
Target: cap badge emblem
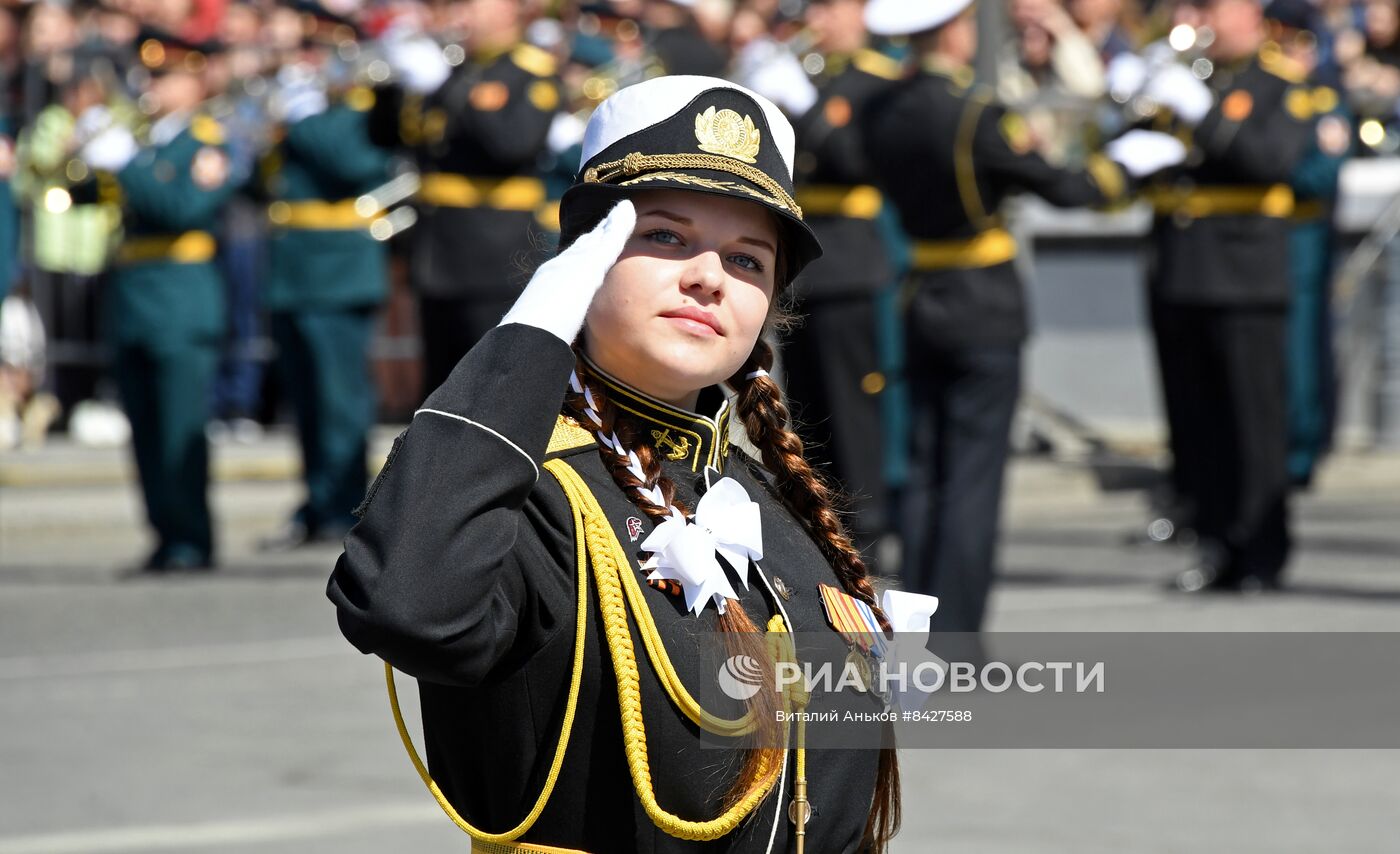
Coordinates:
[726,132]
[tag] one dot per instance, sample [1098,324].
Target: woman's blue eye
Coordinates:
[666,237]
[748,262]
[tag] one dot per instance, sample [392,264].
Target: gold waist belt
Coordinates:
[317,214]
[1272,201]
[858,202]
[462,191]
[191,247]
[991,247]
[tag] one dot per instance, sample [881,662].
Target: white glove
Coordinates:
[1125,75]
[299,95]
[110,150]
[558,295]
[299,103]
[771,70]
[417,62]
[93,121]
[1144,152]
[565,131]
[1175,87]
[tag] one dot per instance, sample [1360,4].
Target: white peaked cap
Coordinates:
[642,105]
[906,17]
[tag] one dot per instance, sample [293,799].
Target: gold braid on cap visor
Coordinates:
[636,162]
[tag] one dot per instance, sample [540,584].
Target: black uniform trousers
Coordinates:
[962,400]
[449,327]
[827,360]
[1223,380]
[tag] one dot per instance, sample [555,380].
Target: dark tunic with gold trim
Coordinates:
[478,140]
[947,156]
[834,179]
[832,359]
[462,574]
[1219,290]
[1223,222]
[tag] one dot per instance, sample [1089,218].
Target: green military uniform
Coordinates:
[327,276]
[164,311]
[9,212]
[1311,380]
[478,140]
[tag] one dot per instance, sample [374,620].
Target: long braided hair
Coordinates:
[805,491]
[812,499]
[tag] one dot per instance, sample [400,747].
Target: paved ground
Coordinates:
[225,714]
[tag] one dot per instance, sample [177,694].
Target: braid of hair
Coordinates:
[805,490]
[633,464]
[811,498]
[636,469]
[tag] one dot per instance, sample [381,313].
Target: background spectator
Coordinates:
[1050,71]
[1110,25]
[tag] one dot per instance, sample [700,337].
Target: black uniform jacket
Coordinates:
[834,180]
[947,156]
[1223,222]
[477,140]
[462,574]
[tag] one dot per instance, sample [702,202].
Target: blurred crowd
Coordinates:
[196,192]
[63,61]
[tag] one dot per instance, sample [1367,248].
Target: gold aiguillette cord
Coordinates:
[800,809]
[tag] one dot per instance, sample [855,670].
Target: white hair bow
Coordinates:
[726,528]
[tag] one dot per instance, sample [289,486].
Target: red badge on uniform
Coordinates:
[837,112]
[1237,105]
[490,96]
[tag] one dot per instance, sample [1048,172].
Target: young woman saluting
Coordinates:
[563,541]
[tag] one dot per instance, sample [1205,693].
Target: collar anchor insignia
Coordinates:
[673,450]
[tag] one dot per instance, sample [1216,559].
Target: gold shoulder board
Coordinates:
[535,60]
[876,64]
[1272,60]
[360,99]
[207,130]
[567,435]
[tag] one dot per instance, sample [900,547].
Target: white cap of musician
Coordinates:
[906,17]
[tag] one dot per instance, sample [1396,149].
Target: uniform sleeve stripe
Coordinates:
[527,457]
